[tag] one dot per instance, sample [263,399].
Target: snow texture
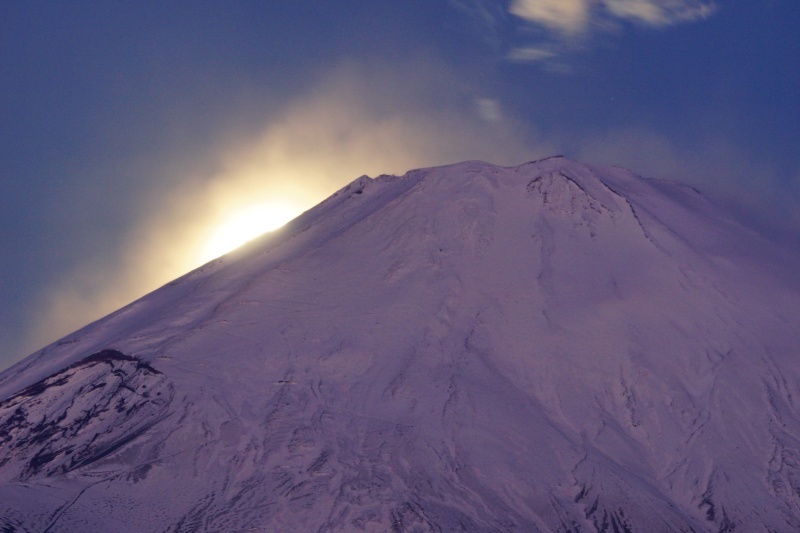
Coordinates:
[549,347]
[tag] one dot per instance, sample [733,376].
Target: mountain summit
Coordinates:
[548,347]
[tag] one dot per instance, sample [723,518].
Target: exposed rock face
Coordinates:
[549,347]
[79,415]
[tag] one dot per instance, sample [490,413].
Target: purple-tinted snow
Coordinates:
[549,347]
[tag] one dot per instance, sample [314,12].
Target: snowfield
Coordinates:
[548,347]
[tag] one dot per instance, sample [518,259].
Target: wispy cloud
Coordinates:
[540,31]
[574,17]
[530,54]
[660,12]
[565,16]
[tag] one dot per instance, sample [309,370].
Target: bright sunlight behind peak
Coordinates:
[246,224]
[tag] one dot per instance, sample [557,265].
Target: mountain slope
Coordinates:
[549,347]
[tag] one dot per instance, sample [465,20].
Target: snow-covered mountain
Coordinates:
[549,347]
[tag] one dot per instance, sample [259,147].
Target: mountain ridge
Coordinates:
[548,347]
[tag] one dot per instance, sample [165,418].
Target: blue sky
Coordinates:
[130,131]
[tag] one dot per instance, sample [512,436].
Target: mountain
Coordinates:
[548,347]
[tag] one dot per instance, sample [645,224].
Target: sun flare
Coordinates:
[246,224]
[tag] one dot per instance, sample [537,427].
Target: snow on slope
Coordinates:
[79,415]
[549,347]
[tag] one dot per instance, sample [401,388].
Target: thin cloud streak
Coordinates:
[660,12]
[569,17]
[530,54]
[573,17]
[545,31]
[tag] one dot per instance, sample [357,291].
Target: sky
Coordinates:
[137,139]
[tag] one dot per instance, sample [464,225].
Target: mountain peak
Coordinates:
[553,346]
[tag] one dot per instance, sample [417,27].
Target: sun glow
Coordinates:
[246,224]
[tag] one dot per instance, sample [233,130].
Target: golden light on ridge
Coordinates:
[246,224]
